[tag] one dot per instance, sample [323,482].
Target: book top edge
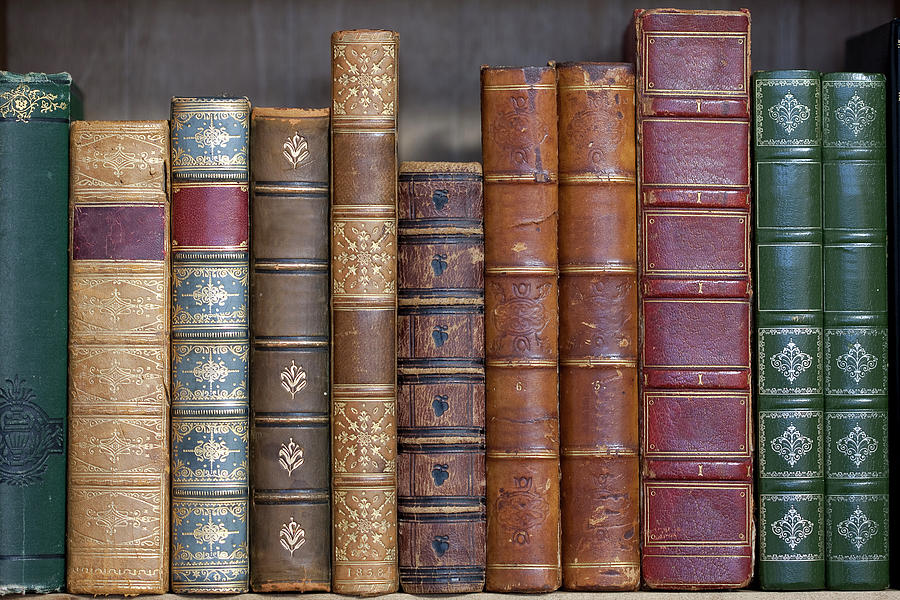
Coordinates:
[288,112]
[63,78]
[439,167]
[364,35]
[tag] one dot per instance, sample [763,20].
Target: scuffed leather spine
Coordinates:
[290,520]
[519,150]
[119,291]
[598,327]
[364,311]
[856,331]
[693,80]
[440,362]
[210,344]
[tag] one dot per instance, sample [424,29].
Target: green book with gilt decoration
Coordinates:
[855,331]
[789,317]
[35,110]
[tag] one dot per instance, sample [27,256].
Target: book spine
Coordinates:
[787,144]
[364,311]
[34,171]
[693,167]
[290,518]
[210,345]
[598,400]
[519,150]
[440,366]
[856,333]
[119,291]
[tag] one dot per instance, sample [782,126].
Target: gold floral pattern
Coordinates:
[362,436]
[364,81]
[363,525]
[22,101]
[362,257]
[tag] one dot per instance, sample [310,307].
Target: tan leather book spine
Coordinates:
[519,150]
[440,363]
[119,290]
[364,311]
[598,398]
[290,517]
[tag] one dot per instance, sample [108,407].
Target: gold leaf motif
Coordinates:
[290,457]
[115,376]
[212,137]
[211,533]
[364,79]
[293,378]
[212,451]
[362,259]
[296,150]
[118,444]
[211,295]
[113,518]
[211,371]
[22,101]
[292,536]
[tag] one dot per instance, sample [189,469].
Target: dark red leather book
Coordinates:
[693,78]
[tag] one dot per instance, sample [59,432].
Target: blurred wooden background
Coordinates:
[131,57]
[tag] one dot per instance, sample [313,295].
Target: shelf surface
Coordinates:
[890,594]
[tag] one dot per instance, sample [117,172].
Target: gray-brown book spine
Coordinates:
[290,518]
[440,352]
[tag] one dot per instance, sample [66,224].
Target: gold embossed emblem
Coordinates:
[363,77]
[363,261]
[290,456]
[292,536]
[293,378]
[296,150]
[22,101]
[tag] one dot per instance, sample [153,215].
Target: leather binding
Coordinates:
[210,344]
[787,144]
[878,51]
[290,518]
[35,109]
[693,128]
[856,332]
[519,150]
[119,291]
[364,311]
[440,366]
[598,399]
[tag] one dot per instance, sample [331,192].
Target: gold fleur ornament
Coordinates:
[22,101]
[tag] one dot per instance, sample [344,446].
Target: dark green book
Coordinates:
[35,110]
[856,331]
[787,145]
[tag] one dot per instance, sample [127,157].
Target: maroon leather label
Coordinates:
[686,243]
[132,232]
[683,63]
[210,216]
[678,515]
[676,425]
[691,333]
[689,153]
[697,198]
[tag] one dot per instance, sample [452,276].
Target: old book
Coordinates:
[290,520]
[878,51]
[598,401]
[119,291]
[856,332]
[787,162]
[34,177]
[693,83]
[364,311]
[519,150]
[210,344]
[440,364]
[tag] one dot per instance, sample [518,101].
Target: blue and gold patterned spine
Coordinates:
[210,345]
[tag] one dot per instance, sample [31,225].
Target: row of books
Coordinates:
[251,355]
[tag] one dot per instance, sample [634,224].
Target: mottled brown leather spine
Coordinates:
[440,363]
[519,150]
[598,399]
[290,520]
[364,311]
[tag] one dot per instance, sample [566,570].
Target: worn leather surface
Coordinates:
[119,292]
[693,166]
[364,311]
[440,364]
[877,51]
[856,331]
[34,170]
[210,345]
[598,399]
[787,145]
[290,517]
[519,150]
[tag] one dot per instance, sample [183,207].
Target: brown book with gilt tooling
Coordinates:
[519,151]
[598,400]
[364,311]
